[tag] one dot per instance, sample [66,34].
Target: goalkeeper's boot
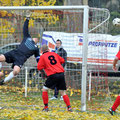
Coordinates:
[2,82]
[111,111]
[70,109]
[45,109]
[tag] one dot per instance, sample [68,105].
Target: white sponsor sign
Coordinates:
[102,48]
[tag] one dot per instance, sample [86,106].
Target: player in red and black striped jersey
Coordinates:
[117,101]
[51,63]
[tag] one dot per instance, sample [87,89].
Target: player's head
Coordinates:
[36,40]
[44,48]
[58,43]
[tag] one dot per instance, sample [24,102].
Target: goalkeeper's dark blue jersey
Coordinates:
[28,47]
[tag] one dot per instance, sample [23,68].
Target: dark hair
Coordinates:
[59,41]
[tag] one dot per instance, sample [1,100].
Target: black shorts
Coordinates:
[56,80]
[15,57]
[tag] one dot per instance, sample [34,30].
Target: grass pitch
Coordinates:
[16,106]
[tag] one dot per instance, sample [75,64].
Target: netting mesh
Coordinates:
[98,62]
[66,25]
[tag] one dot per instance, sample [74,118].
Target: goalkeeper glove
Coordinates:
[28,14]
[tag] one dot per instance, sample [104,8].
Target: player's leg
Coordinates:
[62,87]
[2,58]
[49,84]
[11,75]
[115,105]
[55,94]
[66,99]
[10,57]
[46,86]
[1,75]
[45,98]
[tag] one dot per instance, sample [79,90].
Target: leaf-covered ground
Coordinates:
[17,107]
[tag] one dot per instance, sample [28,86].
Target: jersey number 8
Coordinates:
[52,60]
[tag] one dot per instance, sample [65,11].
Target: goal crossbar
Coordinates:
[42,7]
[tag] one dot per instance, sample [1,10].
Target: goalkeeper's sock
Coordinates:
[116,103]
[9,77]
[66,100]
[45,98]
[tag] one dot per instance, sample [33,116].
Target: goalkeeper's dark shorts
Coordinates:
[15,57]
[56,80]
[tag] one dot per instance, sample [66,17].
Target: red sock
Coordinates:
[116,103]
[66,100]
[45,98]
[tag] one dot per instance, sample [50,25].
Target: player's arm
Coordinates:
[37,55]
[40,64]
[117,57]
[25,28]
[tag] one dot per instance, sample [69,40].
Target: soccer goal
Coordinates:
[83,32]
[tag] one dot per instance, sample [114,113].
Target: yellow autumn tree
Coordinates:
[36,14]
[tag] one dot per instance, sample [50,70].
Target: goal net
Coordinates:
[72,26]
[100,58]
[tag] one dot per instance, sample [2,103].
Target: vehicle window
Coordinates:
[10,47]
[5,48]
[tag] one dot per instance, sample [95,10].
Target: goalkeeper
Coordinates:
[18,56]
[51,63]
